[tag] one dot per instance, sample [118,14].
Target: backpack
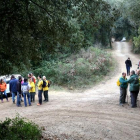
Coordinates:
[118,83]
[48,83]
[44,84]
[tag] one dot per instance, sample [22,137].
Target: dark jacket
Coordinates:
[19,87]
[128,63]
[123,83]
[13,85]
[134,82]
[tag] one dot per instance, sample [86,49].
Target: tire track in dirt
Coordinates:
[93,114]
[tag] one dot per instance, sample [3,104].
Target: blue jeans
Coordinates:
[128,70]
[6,95]
[28,97]
[13,96]
[18,99]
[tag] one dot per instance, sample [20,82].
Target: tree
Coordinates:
[36,30]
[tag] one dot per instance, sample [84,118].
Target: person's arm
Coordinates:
[123,81]
[40,83]
[5,86]
[130,63]
[130,80]
[17,86]
[10,86]
[125,61]
[21,88]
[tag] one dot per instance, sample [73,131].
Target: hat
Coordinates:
[44,77]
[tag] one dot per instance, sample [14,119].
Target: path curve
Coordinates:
[94,114]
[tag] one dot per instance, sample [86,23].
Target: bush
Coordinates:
[79,70]
[136,47]
[19,129]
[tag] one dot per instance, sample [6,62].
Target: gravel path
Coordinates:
[93,114]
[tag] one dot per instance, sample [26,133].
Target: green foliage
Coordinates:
[33,31]
[137,43]
[79,70]
[128,21]
[19,129]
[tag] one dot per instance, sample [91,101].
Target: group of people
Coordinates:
[26,88]
[134,82]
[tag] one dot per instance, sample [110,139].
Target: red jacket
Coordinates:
[3,87]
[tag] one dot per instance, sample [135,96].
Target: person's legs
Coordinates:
[21,100]
[40,96]
[133,99]
[25,102]
[128,70]
[6,95]
[137,92]
[1,96]
[47,98]
[122,95]
[13,97]
[33,96]
[135,95]
[44,92]
[29,98]
[18,99]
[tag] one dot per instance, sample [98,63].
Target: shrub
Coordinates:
[19,129]
[79,70]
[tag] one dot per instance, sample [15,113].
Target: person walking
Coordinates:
[40,90]
[2,89]
[32,90]
[19,93]
[123,88]
[128,65]
[13,87]
[25,89]
[134,88]
[45,89]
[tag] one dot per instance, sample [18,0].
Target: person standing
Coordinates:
[134,88]
[128,65]
[2,89]
[19,93]
[123,88]
[25,89]
[13,87]
[45,89]
[5,90]
[32,90]
[30,75]
[40,90]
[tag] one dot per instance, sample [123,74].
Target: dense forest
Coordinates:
[38,35]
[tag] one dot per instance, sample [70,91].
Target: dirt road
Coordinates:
[94,114]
